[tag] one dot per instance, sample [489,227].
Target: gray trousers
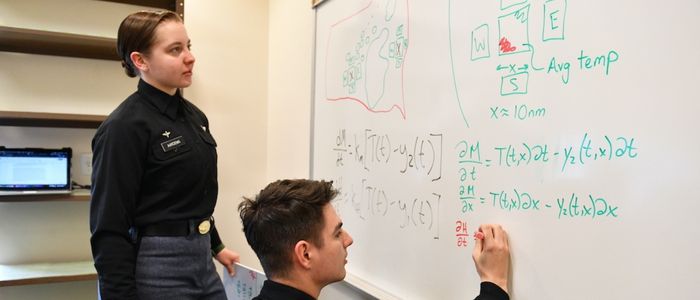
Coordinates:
[177,268]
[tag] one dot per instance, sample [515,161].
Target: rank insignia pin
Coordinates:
[166,134]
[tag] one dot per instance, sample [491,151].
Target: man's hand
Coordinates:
[492,256]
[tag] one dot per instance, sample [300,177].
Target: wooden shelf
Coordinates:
[33,119]
[178,6]
[13,275]
[164,4]
[74,45]
[57,43]
[77,195]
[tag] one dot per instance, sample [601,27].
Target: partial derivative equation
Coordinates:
[370,149]
[587,150]
[470,161]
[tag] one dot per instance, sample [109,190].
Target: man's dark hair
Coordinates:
[283,213]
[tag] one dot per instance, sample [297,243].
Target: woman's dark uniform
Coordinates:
[154,187]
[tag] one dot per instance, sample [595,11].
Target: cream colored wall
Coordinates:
[289,86]
[230,85]
[252,78]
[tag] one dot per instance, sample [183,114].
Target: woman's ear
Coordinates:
[303,254]
[139,61]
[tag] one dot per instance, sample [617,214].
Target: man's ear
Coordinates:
[303,254]
[139,61]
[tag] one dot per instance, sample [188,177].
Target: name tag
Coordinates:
[172,144]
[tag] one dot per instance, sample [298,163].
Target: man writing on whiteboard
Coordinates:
[302,246]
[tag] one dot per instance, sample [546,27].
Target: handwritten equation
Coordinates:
[372,202]
[470,161]
[369,149]
[586,151]
[515,200]
[520,112]
[462,233]
[593,207]
[367,156]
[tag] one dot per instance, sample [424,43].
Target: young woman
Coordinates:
[154,180]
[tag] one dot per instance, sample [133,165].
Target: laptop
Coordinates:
[31,171]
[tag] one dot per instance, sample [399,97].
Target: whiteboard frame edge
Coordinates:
[368,288]
[312,118]
[316,3]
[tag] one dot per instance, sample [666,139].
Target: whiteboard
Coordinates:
[571,123]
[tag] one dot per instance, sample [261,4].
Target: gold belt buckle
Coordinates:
[204,227]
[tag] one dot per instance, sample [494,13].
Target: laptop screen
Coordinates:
[29,169]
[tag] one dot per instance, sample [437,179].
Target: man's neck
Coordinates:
[302,284]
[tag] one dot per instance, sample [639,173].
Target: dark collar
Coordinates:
[274,290]
[166,104]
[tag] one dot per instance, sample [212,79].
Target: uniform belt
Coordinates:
[177,228]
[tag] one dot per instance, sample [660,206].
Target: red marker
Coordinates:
[478,235]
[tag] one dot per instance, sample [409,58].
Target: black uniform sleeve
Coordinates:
[216,244]
[117,168]
[491,291]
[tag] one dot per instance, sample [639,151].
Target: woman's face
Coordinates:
[169,64]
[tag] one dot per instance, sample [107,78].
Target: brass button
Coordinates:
[204,227]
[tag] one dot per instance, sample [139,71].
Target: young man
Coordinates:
[302,246]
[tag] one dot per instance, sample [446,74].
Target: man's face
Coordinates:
[333,254]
